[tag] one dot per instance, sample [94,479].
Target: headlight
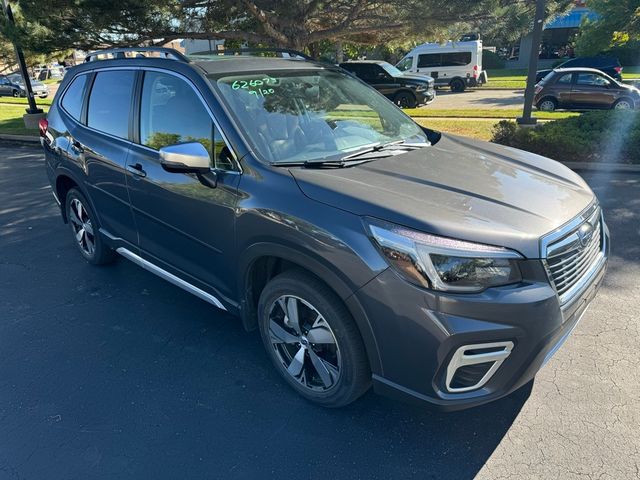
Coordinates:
[421,88]
[444,263]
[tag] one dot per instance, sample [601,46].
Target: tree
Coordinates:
[297,24]
[617,25]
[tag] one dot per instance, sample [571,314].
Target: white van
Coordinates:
[456,64]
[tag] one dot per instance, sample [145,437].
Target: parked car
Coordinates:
[405,89]
[53,73]
[39,89]
[457,65]
[8,88]
[584,88]
[608,65]
[365,248]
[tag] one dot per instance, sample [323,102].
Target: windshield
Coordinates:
[391,70]
[299,116]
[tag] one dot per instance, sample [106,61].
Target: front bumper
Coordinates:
[425,97]
[418,332]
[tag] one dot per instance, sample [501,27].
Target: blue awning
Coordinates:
[573,19]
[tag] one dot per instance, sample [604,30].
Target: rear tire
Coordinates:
[457,85]
[312,340]
[85,229]
[16,94]
[405,100]
[547,104]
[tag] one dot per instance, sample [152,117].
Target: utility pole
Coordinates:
[538,23]
[33,108]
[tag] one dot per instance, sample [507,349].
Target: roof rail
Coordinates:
[290,53]
[120,53]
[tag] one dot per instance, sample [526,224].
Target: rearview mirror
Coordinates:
[189,157]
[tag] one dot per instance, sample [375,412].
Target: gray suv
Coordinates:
[367,250]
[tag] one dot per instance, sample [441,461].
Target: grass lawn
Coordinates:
[479,124]
[480,129]
[23,101]
[11,120]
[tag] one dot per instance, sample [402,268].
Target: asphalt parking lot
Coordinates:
[113,373]
[478,98]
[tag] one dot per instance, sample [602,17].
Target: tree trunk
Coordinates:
[339,52]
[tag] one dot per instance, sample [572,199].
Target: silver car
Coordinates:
[39,88]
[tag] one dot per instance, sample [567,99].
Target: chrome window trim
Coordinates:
[175,74]
[64,92]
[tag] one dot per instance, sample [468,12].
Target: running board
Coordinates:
[169,277]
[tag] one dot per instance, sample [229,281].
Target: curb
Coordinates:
[25,139]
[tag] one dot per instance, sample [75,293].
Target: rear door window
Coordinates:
[429,60]
[110,102]
[456,59]
[74,96]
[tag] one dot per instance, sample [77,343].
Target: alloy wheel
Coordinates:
[304,343]
[82,227]
[623,105]
[547,106]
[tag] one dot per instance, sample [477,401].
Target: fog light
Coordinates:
[472,366]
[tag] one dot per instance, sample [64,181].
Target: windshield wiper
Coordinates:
[368,154]
[396,145]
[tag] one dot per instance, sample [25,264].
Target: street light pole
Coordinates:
[33,108]
[538,23]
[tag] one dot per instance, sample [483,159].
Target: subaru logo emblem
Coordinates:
[585,232]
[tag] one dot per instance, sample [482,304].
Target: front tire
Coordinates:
[405,100]
[16,94]
[312,340]
[84,227]
[623,104]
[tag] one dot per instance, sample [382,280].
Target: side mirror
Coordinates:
[189,157]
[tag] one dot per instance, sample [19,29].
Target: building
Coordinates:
[558,39]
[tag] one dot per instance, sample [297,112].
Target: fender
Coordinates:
[313,265]
[66,172]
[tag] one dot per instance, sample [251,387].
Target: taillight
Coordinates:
[538,89]
[43,125]
[618,69]
[475,71]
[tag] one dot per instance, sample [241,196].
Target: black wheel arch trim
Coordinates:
[305,261]
[65,172]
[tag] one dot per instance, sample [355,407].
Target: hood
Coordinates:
[416,77]
[459,188]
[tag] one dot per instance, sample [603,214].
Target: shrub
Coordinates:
[599,136]
[491,60]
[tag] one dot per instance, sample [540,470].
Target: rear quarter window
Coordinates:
[74,96]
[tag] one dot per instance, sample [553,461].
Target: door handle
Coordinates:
[137,170]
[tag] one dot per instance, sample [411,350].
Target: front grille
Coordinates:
[571,257]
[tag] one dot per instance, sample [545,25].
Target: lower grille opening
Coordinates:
[470,375]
